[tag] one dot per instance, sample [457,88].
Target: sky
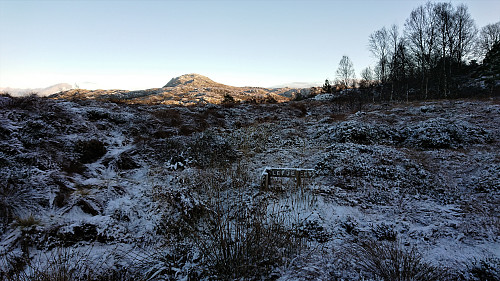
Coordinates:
[143,44]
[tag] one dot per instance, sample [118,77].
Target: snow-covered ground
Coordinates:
[120,192]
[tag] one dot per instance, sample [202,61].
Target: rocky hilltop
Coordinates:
[193,80]
[189,89]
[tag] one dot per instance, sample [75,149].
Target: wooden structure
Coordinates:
[296,173]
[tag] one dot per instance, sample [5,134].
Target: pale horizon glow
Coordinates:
[143,44]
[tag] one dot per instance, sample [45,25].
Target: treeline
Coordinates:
[439,53]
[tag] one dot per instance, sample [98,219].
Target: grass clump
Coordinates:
[62,264]
[26,222]
[390,261]
[235,233]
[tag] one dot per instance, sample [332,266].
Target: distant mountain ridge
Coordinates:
[298,85]
[188,89]
[39,91]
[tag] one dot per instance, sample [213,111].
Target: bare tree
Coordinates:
[402,67]
[345,73]
[379,46]
[394,41]
[444,14]
[366,78]
[420,32]
[488,36]
[465,33]
[456,33]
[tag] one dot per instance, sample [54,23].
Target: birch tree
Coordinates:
[345,73]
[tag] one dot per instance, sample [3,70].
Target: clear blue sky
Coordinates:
[142,44]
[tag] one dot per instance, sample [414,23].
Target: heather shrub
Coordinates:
[170,116]
[385,232]
[361,133]
[428,134]
[351,166]
[253,139]
[90,150]
[96,115]
[487,269]
[444,133]
[211,150]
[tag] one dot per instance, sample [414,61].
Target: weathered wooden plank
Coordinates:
[296,173]
[290,173]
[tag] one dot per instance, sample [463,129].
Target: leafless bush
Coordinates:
[391,261]
[245,243]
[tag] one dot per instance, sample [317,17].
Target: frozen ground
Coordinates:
[120,192]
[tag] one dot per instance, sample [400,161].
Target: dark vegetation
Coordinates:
[436,55]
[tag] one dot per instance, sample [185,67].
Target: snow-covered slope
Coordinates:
[133,192]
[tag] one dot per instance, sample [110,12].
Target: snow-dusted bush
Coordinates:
[180,210]
[361,133]
[488,178]
[384,231]
[252,139]
[444,133]
[428,134]
[90,150]
[350,225]
[211,150]
[34,132]
[487,269]
[354,165]
[247,244]
[232,231]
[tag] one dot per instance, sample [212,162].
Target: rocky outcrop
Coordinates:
[193,80]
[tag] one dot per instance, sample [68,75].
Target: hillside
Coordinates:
[193,80]
[189,89]
[107,191]
[39,91]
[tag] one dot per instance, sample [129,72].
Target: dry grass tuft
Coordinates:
[391,261]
